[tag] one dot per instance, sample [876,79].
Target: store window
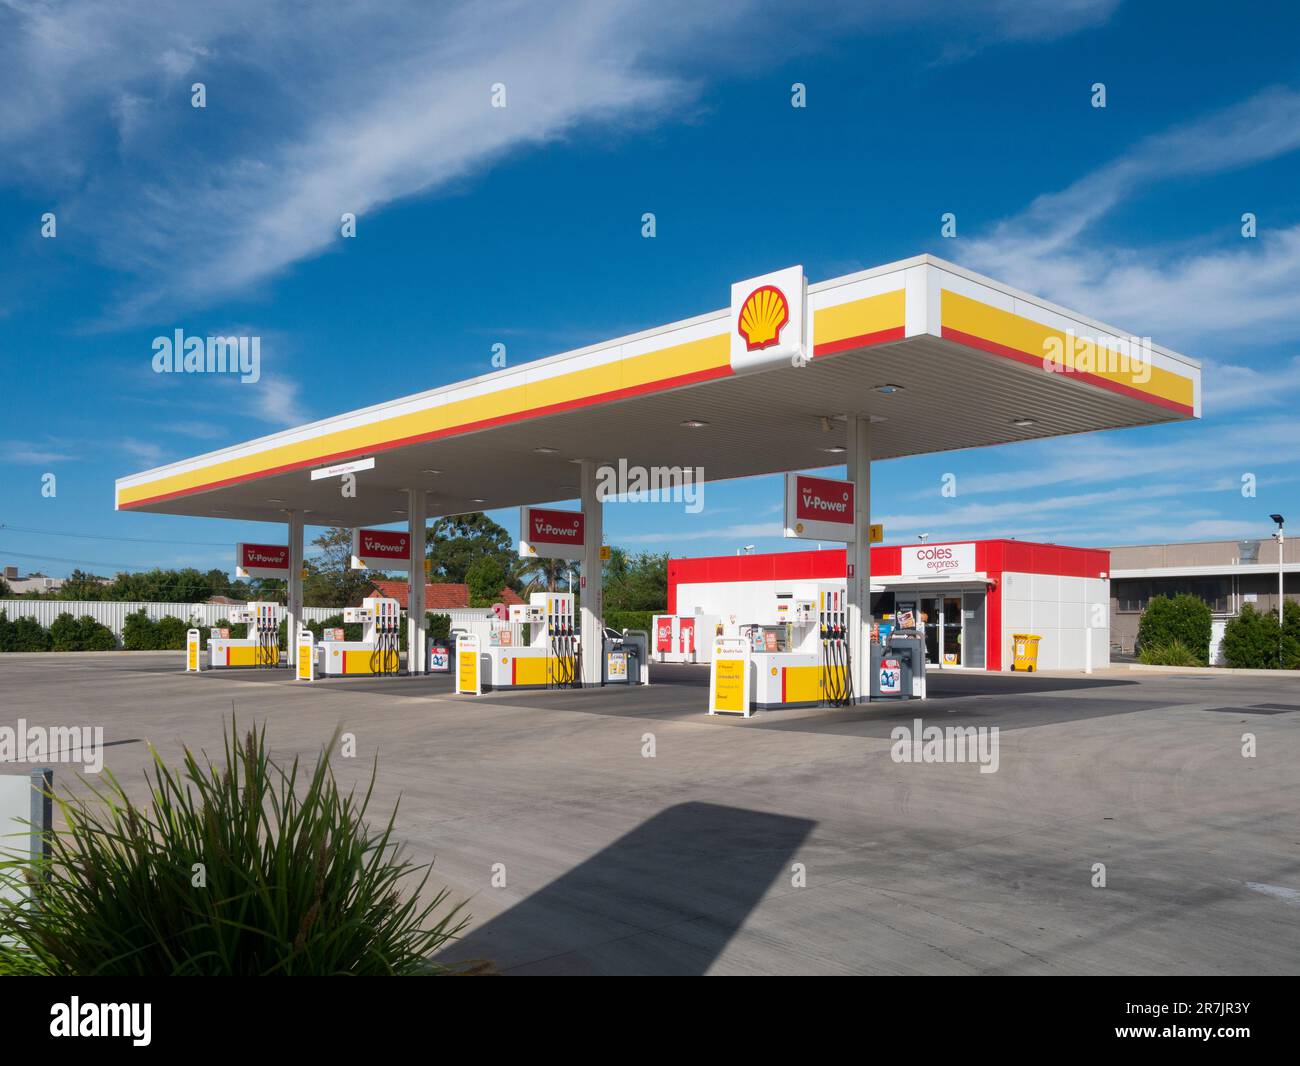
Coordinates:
[1135,595]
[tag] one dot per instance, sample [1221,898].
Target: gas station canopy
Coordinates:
[937,357]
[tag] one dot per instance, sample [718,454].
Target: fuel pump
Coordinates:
[837,669]
[267,622]
[261,648]
[385,634]
[565,652]
[379,650]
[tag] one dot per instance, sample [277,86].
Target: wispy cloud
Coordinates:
[26,454]
[355,108]
[141,450]
[1186,294]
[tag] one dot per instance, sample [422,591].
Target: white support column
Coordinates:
[593,606]
[293,608]
[416,634]
[858,556]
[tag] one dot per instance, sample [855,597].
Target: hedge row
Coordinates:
[65,634]
[142,633]
[622,620]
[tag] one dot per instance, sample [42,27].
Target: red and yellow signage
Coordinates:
[262,560]
[763,315]
[768,316]
[379,549]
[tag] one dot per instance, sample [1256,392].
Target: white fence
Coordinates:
[112,613]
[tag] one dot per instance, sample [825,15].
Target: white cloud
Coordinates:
[1229,387]
[354,107]
[1197,291]
[275,400]
[142,450]
[738,532]
[26,454]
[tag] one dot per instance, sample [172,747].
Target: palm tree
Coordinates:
[538,574]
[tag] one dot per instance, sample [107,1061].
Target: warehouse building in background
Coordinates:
[1226,574]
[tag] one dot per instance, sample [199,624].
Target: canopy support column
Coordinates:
[591,586]
[416,631]
[858,557]
[293,595]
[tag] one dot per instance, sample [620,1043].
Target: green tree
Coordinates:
[1182,619]
[543,575]
[331,581]
[5,590]
[486,578]
[80,585]
[456,543]
[635,583]
[167,586]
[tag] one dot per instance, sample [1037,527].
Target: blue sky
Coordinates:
[523,226]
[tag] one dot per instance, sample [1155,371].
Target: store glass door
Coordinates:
[931,616]
[973,633]
[950,630]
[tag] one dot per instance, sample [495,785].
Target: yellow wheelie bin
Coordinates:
[1026,651]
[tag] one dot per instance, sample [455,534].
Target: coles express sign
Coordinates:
[818,508]
[933,560]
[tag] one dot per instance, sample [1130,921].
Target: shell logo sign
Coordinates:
[768,316]
[763,315]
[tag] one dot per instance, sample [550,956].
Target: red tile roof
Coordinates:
[441,596]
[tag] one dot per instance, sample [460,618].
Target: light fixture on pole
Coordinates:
[1280,537]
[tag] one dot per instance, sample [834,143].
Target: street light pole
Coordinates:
[1281,574]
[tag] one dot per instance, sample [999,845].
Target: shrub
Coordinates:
[139,632]
[621,620]
[1251,640]
[95,636]
[296,883]
[351,631]
[438,626]
[171,633]
[23,634]
[1184,619]
[1174,653]
[1291,635]
[65,634]
[80,634]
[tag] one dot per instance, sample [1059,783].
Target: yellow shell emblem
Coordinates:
[763,315]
